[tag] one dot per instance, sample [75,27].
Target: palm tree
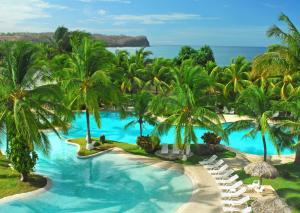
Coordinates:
[181,109]
[256,104]
[236,76]
[158,74]
[292,123]
[86,82]
[28,104]
[141,111]
[131,69]
[281,62]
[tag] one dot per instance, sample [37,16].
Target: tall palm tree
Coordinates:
[158,74]
[281,62]
[28,104]
[292,123]
[256,104]
[141,111]
[236,76]
[181,110]
[86,82]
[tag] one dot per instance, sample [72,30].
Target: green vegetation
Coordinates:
[25,106]
[136,150]
[257,105]
[287,185]
[10,184]
[41,83]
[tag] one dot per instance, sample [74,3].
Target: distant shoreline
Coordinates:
[109,40]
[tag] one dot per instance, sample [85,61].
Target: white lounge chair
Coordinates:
[232,187]
[255,184]
[214,166]
[259,189]
[175,150]
[234,194]
[188,150]
[225,175]
[211,160]
[164,149]
[234,209]
[228,180]
[239,202]
[220,170]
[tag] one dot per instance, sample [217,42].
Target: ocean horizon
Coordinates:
[223,54]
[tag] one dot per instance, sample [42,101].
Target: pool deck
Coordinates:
[205,196]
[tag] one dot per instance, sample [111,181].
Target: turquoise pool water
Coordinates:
[106,184]
[113,129]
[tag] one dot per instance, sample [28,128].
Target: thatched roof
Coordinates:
[270,205]
[261,169]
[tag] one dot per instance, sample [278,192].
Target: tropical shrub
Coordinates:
[211,138]
[22,157]
[102,139]
[149,143]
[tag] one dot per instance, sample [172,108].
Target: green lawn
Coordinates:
[10,183]
[134,149]
[287,184]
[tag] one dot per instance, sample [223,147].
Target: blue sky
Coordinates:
[193,22]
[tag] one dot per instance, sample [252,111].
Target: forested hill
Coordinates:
[110,40]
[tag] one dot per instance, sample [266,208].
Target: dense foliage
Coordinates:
[42,83]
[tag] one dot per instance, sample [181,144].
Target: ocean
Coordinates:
[223,54]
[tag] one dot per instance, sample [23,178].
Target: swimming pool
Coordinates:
[113,129]
[106,184]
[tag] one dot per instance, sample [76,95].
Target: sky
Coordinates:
[164,22]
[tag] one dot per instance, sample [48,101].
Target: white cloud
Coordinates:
[112,1]
[272,6]
[152,18]
[102,12]
[14,12]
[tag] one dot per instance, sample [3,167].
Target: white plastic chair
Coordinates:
[223,176]
[214,166]
[232,187]
[234,209]
[220,170]
[211,160]
[259,189]
[239,202]
[164,149]
[188,150]
[228,180]
[255,184]
[175,150]
[234,194]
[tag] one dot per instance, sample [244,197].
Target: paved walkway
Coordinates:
[206,195]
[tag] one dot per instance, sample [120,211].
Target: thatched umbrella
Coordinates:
[262,170]
[270,205]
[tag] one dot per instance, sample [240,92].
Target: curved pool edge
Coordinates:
[205,195]
[30,194]
[274,159]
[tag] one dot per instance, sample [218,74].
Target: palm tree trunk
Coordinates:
[265,147]
[156,90]
[24,177]
[88,129]
[297,157]
[141,126]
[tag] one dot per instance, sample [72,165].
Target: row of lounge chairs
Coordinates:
[232,190]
